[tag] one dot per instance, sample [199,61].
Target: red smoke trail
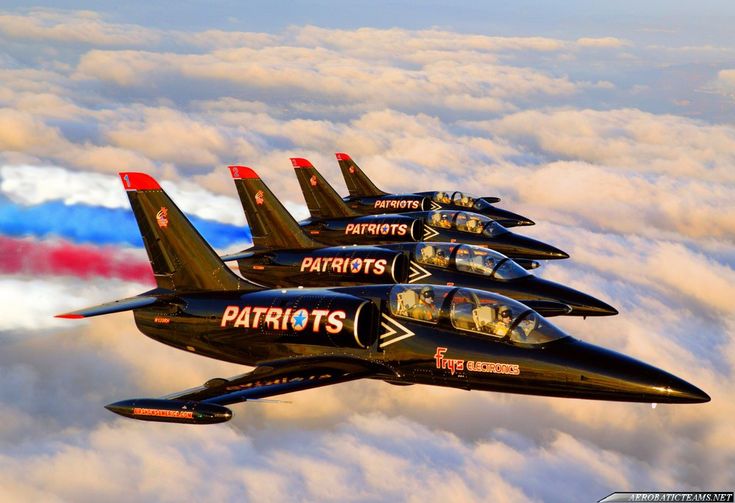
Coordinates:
[43,258]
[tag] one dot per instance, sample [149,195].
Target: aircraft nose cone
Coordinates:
[681,391]
[508,218]
[586,305]
[610,375]
[582,304]
[517,246]
[550,252]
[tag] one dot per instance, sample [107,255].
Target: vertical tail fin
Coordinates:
[322,200]
[271,225]
[357,182]
[181,259]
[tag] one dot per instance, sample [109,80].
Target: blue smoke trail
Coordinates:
[100,226]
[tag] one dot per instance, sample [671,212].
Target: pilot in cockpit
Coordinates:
[502,322]
[425,309]
[489,264]
[441,258]
[441,220]
[474,226]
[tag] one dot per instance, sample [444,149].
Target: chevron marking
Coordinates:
[417,273]
[392,332]
[429,233]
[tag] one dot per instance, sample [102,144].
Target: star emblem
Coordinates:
[299,319]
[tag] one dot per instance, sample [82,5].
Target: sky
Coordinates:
[609,124]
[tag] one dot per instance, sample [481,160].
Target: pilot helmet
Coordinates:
[427,293]
[505,312]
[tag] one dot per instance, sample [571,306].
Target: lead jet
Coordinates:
[333,222]
[366,199]
[306,338]
[283,255]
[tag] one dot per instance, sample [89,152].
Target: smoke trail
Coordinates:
[98,225]
[38,258]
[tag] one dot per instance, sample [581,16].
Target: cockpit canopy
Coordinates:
[469,258]
[460,199]
[466,222]
[474,311]
[478,260]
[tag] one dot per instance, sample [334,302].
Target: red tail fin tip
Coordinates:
[138,181]
[242,172]
[298,162]
[341,156]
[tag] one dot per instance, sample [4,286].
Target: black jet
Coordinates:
[283,255]
[366,199]
[299,339]
[333,222]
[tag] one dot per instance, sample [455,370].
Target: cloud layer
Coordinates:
[632,177]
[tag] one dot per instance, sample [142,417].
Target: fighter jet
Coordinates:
[366,199]
[283,255]
[333,222]
[306,338]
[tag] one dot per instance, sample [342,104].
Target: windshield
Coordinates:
[481,204]
[459,199]
[420,302]
[500,317]
[508,269]
[461,221]
[436,254]
[494,229]
[442,197]
[478,260]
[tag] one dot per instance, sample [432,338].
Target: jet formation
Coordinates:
[422,288]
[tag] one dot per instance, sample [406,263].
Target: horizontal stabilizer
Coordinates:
[116,306]
[237,256]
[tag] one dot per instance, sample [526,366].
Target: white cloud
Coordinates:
[724,83]
[31,185]
[31,304]
[611,42]
[85,27]
[643,201]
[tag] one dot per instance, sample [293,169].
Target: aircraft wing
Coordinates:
[205,404]
[283,376]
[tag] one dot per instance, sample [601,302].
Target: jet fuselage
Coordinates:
[425,201]
[445,349]
[436,264]
[419,226]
